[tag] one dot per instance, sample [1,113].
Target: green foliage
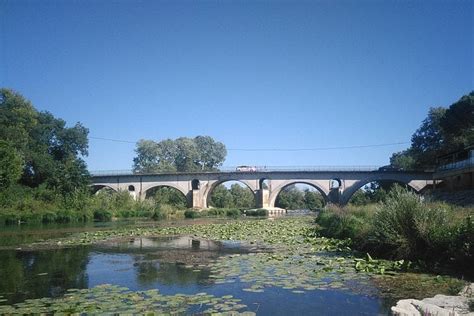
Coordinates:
[191,214]
[232,212]
[258,212]
[11,165]
[201,153]
[168,196]
[295,199]
[349,222]
[236,196]
[52,152]
[403,160]
[373,192]
[407,228]
[458,121]
[404,227]
[443,131]
[46,156]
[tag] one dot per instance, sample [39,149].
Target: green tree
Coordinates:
[443,131]
[184,154]
[169,196]
[403,160]
[11,165]
[428,140]
[211,154]
[242,197]
[51,151]
[291,198]
[458,122]
[313,200]
[221,197]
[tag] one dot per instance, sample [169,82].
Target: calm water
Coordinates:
[168,264]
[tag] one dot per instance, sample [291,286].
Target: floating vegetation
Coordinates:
[284,253]
[113,299]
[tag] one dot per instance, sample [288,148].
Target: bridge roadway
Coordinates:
[335,186]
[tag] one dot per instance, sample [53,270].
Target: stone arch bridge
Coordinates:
[335,186]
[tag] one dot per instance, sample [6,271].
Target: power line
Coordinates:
[318,148]
[276,149]
[114,140]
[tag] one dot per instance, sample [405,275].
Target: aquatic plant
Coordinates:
[112,299]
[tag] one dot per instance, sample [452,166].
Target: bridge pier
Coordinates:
[262,198]
[196,199]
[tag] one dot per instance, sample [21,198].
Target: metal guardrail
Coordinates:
[257,169]
[457,165]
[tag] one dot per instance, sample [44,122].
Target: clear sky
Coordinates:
[252,74]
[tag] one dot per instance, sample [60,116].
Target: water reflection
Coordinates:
[37,274]
[171,265]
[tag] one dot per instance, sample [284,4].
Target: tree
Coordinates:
[291,198]
[169,196]
[154,157]
[11,165]
[52,152]
[403,160]
[184,154]
[313,200]
[221,197]
[443,131]
[211,154]
[428,142]
[242,197]
[458,122]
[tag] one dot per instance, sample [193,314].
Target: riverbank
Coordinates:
[438,237]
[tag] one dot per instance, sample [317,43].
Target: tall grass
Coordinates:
[405,227]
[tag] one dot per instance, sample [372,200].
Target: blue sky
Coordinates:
[252,74]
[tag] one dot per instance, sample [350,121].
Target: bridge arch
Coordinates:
[315,184]
[263,184]
[182,199]
[351,190]
[212,186]
[148,190]
[95,188]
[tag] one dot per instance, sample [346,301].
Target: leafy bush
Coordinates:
[191,214]
[103,215]
[232,212]
[404,227]
[350,222]
[258,212]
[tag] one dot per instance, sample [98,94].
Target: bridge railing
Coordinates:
[254,169]
[457,165]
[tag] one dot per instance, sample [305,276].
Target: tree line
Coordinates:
[443,131]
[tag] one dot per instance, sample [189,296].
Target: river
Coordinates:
[256,274]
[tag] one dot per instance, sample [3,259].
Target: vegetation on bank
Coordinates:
[230,212]
[41,205]
[404,226]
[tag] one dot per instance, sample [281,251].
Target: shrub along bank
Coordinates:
[22,204]
[230,212]
[405,227]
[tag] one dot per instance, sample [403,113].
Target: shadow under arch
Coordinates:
[262,184]
[350,191]
[151,190]
[279,189]
[209,190]
[95,188]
